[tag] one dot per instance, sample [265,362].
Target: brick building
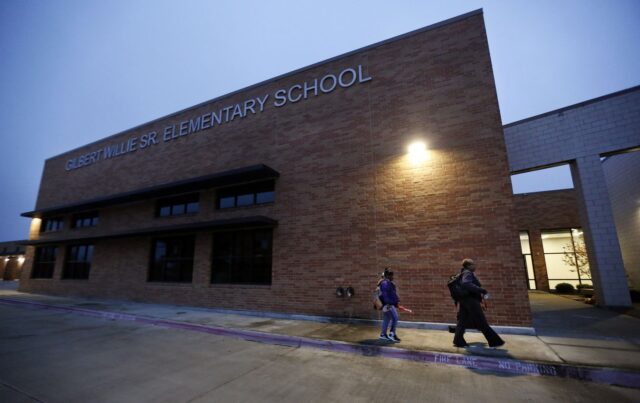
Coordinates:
[11,260]
[273,196]
[599,139]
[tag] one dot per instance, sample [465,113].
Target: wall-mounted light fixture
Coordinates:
[340,292]
[350,292]
[21,259]
[418,152]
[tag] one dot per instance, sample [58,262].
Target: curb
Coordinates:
[518,330]
[517,367]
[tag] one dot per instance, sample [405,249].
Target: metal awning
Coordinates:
[215,225]
[235,176]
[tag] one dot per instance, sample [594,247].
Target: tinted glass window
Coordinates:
[178,209]
[172,259]
[51,224]
[193,208]
[78,262]
[85,220]
[242,257]
[245,200]
[44,262]
[246,195]
[227,202]
[265,197]
[179,205]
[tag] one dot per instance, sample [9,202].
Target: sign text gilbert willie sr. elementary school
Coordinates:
[295,93]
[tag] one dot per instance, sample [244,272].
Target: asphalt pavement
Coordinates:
[574,341]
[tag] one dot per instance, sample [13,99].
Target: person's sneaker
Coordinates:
[461,345]
[393,337]
[384,337]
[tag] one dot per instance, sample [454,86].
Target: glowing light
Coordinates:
[418,152]
[34,229]
[21,259]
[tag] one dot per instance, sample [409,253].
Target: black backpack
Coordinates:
[456,289]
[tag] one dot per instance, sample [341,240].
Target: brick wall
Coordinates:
[348,201]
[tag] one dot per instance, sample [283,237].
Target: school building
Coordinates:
[275,196]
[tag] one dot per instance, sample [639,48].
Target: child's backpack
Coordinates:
[456,289]
[377,302]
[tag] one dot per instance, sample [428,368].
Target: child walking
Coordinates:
[390,300]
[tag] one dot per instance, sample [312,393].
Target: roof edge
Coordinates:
[574,106]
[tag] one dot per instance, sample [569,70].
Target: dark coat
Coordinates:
[470,282]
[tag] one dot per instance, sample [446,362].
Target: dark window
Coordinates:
[246,195]
[172,259]
[44,262]
[227,202]
[242,257]
[51,224]
[265,197]
[186,204]
[78,262]
[193,207]
[85,220]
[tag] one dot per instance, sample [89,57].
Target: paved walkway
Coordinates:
[568,332]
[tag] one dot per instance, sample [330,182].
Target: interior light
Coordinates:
[21,259]
[418,152]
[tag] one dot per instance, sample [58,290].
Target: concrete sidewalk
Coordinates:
[568,332]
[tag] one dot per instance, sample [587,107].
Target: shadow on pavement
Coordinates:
[378,342]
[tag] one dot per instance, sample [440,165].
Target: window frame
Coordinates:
[39,264]
[232,276]
[580,279]
[50,220]
[253,189]
[176,202]
[78,267]
[92,216]
[159,275]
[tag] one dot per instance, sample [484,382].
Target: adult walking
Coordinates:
[390,300]
[470,313]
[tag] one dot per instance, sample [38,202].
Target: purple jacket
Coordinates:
[388,291]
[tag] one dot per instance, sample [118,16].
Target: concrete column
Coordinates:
[603,248]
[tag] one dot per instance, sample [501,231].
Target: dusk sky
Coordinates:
[72,72]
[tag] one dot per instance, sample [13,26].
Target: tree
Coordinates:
[577,258]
